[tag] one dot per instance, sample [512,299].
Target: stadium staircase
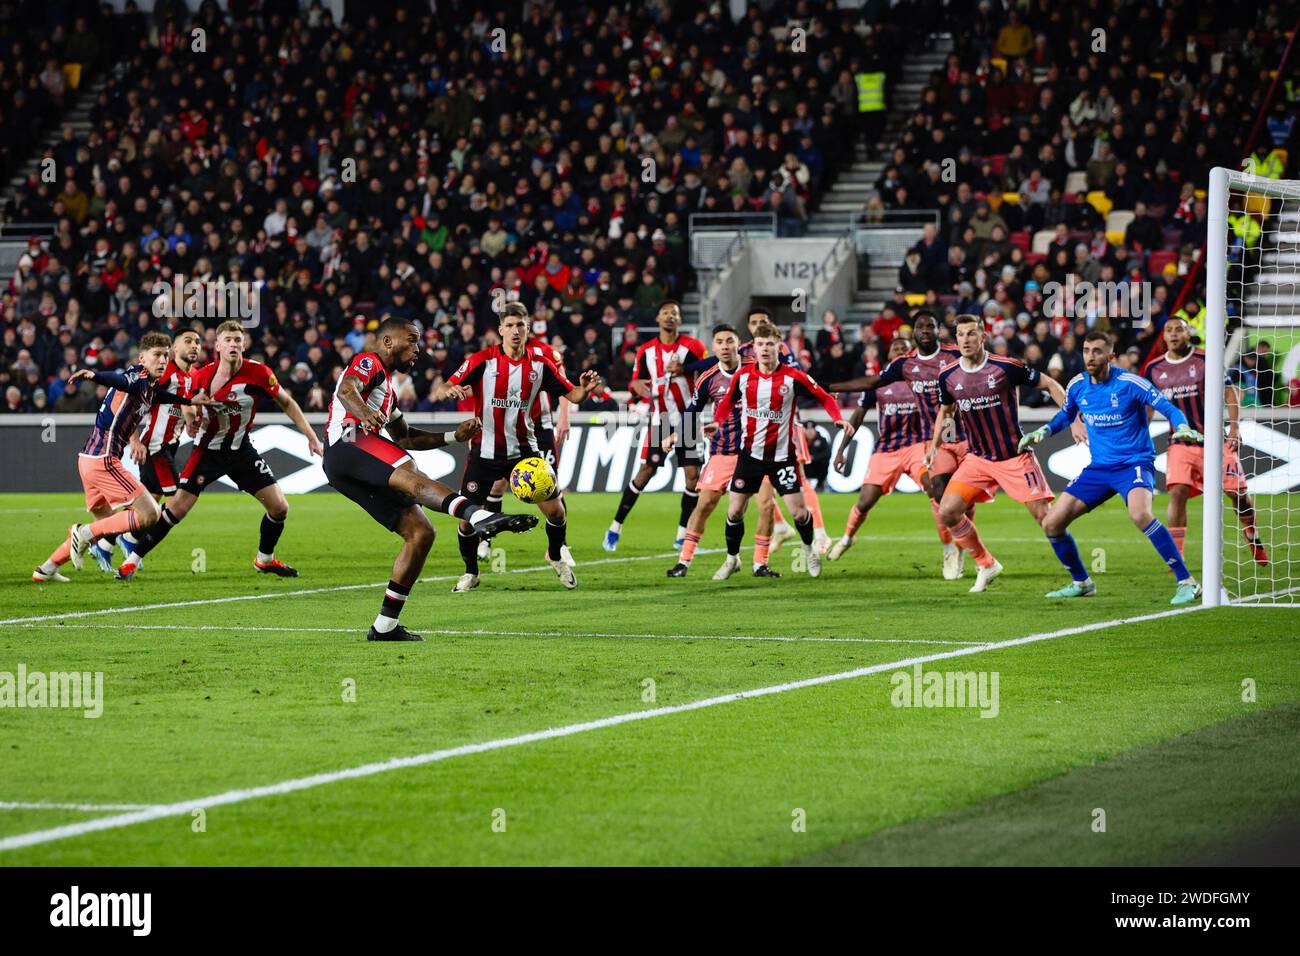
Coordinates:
[848,195]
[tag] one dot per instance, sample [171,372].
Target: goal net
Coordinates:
[1252,341]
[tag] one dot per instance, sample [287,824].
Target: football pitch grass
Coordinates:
[638,719]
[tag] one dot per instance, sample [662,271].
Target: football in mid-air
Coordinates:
[532,480]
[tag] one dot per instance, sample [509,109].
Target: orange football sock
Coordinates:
[761,544]
[115,523]
[813,504]
[1180,537]
[945,535]
[964,534]
[856,517]
[61,554]
[688,547]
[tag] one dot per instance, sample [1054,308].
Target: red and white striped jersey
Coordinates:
[226,422]
[540,349]
[163,424]
[669,396]
[376,391]
[767,408]
[507,395]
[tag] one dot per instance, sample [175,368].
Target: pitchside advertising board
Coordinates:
[40,453]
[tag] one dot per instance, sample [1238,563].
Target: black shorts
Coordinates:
[158,473]
[360,470]
[750,472]
[482,473]
[242,465]
[546,448]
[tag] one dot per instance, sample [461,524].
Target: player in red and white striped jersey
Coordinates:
[222,447]
[552,428]
[659,378]
[376,471]
[161,433]
[765,393]
[508,381]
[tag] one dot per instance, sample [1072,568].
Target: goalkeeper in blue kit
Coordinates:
[1113,404]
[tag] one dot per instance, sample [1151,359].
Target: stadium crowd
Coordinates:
[414,163]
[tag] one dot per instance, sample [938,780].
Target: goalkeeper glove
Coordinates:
[1188,433]
[1033,438]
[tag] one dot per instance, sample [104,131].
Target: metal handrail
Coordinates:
[894,217]
[842,244]
[710,276]
[726,221]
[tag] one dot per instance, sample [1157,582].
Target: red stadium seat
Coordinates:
[1020,239]
[1159,259]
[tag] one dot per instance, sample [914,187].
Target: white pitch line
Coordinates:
[487,632]
[303,591]
[83,807]
[184,808]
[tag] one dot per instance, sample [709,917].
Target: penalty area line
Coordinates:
[229,797]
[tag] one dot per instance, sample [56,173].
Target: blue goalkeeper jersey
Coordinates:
[1115,413]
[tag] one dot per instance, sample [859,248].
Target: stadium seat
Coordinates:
[998,162]
[1159,259]
[1020,239]
[1116,223]
[1043,241]
[1100,202]
[1076,182]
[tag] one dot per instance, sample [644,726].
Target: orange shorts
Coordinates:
[717,473]
[1021,477]
[1185,465]
[108,483]
[951,455]
[884,468]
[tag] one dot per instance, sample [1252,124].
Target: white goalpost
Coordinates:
[1252,339]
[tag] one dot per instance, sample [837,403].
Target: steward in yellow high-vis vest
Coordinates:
[871,92]
[1246,228]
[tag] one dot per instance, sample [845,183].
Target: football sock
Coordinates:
[493,503]
[805,529]
[555,538]
[150,537]
[966,536]
[1163,542]
[1180,537]
[813,503]
[630,495]
[735,534]
[1067,552]
[468,550]
[688,547]
[762,545]
[268,537]
[945,534]
[394,600]
[458,506]
[115,523]
[1248,527]
[856,517]
[689,499]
